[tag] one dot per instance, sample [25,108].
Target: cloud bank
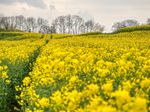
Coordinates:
[34,3]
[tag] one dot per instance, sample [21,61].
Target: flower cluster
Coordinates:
[15,58]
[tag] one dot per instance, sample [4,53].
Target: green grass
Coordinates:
[18,35]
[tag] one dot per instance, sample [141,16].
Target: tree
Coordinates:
[148,21]
[69,23]
[53,28]
[89,25]
[128,23]
[1,26]
[12,23]
[20,20]
[77,22]
[9,23]
[31,24]
[116,26]
[98,28]
[74,24]
[45,29]
[125,23]
[41,23]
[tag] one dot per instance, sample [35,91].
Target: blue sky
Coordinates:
[106,12]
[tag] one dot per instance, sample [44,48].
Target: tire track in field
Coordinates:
[28,68]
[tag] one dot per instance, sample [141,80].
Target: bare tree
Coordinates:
[98,28]
[82,28]
[74,24]
[125,23]
[20,20]
[53,28]
[60,24]
[45,29]
[31,24]
[9,23]
[77,23]
[69,23]
[13,23]
[89,25]
[116,26]
[1,25]
[148,21]
[63,25]
[41,23]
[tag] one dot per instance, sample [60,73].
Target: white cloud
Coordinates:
[34,3]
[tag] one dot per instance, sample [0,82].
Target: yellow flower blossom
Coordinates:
[26,81]
[44,102]
[145,83]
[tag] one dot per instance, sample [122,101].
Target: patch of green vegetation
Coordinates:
[134,28]
[18,35]
[90,33]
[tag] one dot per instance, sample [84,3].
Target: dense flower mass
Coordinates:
[91,73]
[15,57]
[105,73]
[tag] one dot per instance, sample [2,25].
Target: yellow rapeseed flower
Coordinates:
[44,102]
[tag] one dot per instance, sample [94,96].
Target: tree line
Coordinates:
[28,24]
[69,24]
[127,23]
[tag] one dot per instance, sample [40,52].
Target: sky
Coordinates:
[105,12]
